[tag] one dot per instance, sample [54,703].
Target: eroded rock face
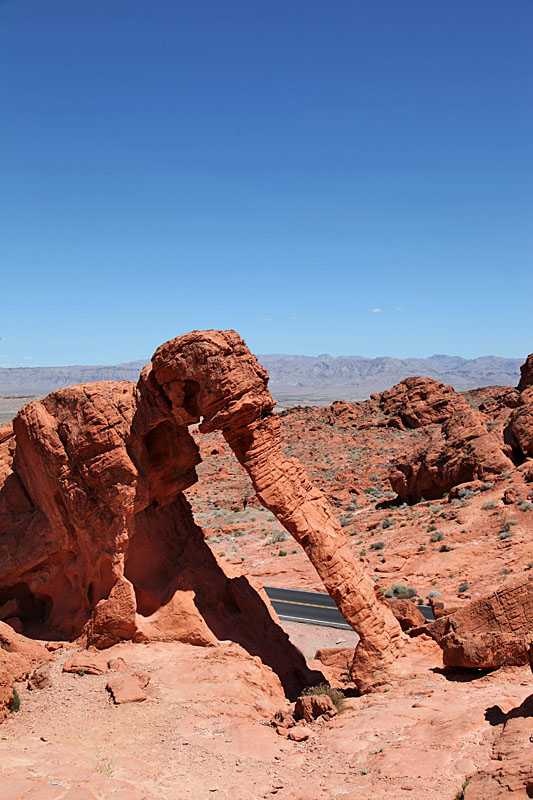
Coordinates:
[526,374]
[490,632]
[519,432]
[98,541]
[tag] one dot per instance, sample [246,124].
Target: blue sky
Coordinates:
[346,177]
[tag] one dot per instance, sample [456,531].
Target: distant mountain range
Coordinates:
[294,379]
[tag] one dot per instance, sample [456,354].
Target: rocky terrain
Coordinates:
[137,524]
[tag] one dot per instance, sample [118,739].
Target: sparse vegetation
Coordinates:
[401,591]
[15,702]
[324,688]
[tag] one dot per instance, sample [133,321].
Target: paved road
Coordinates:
[313,608]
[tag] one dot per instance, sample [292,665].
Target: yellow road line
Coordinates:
[296,603]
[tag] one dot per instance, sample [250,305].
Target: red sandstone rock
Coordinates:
[463,450]
[415,402]
[126,689]
[313,706]
[510,496]
[299,733]
[86,664]
[40,678]
[338,658]
[407,614]
[18,656]
[519,432]
[490,632]
[510,771]
[526,374]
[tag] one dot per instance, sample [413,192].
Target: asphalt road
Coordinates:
[313,608]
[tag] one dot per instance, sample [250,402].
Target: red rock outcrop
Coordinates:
[490,632]
[407,614]
[415,402]
[18,657]
[519,432]
[526,374]
[97,539]
[461,450]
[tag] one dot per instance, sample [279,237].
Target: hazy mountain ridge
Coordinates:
[325,375]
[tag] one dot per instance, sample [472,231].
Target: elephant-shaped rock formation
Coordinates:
[98,542]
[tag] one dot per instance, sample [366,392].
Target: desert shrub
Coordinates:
[377,545]
[486,485]
[15,702]
[386,522]
[432,528]
[525,506]
[504,535]
[434,593]
[401,591]
[324,688]
[463,587]
[461,791]
[444,548]
[421,548]
[282,553]
[278,536]
[436,537]
[488,504]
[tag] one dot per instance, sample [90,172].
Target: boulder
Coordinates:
[407,614]
[40,678]
[127,688]
[490,632]
[313,706]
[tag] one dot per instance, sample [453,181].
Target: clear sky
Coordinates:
[350,176]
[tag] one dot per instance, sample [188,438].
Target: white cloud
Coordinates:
[267,319]
[377,310]
[28,358]
[400,308]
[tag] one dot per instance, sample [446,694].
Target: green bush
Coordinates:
[15,702]
[464,586]
[436,537]
[401,591]
[377,545]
